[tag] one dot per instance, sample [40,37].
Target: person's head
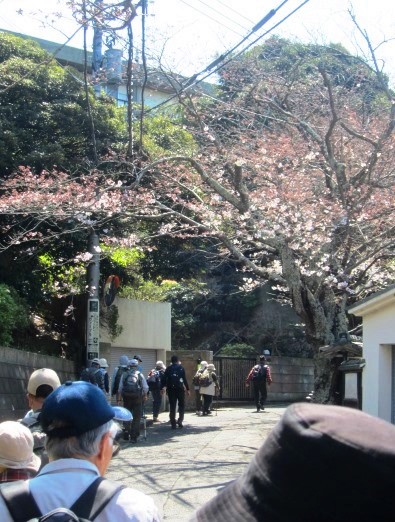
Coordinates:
[123,361]
[174,359]
[138,357]
[203,365]
[95,363]
[133,363]
[42,382]
[262,358]
[103,363]
[16,448]
[211,367]
[159,365]
[78,422]
[317,455]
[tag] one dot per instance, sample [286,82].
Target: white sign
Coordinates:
[93,326]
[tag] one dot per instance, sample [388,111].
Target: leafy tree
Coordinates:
[14,314]
[237,350]
[43,111]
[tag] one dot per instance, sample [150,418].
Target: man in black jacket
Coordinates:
[175,383]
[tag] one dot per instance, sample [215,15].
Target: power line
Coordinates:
[231,9]
[211,18]
[221,14]
[192,81]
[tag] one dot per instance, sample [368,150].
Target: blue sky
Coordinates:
[188,34]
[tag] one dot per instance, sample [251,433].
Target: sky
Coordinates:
[189,34]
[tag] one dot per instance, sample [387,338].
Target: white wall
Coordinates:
[378,336]
[145,325]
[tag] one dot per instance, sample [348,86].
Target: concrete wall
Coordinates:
[145,325]
[16,366]
[293,378]
[378,336]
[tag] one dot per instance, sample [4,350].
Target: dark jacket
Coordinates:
[174,377]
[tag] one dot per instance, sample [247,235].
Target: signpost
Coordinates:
[93,311]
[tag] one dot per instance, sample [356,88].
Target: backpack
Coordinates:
[196,378]
[94,376]
[39,437]
[204,379]
[154,379]
[259,373]
[86,508]
[131,383]
[175,376]
[117,379]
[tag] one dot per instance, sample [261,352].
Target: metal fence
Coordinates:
[232,374]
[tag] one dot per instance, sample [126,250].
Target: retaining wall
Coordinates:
[16,366]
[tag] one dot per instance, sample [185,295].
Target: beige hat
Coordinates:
[203,364]
[103,363]
[42,376]
[159,364]
[210,367]
[16,447]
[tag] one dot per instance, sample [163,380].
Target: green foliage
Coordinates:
[43,111]
[237,350]
[109,317]
[149,290]
[162,136]
[61,278]
[123,256]
[14,314]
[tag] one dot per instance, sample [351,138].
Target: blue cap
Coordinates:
[79,406]
[122,414]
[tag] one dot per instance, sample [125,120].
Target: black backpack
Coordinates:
[117,379]
[86,508]
[175,376]
[94,376]
[259,373]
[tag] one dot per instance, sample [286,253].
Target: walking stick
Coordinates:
[144,422]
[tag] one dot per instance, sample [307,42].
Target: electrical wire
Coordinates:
[221,14]
[210,17]
[193,80]
[231,9]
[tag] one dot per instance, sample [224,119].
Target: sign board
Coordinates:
[93,328]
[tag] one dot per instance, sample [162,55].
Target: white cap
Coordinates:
[103,363]
[16,447]
[40,377]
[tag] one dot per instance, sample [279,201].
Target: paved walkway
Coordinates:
[181,469]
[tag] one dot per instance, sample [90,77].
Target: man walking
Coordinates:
[260,377]
[154,380]
[133,388]
[175,383]
[80,432]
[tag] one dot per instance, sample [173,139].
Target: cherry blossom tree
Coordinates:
[293,180]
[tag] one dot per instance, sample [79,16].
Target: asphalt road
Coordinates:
[182,469]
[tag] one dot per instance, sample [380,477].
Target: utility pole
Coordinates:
[97,54]
[93,309]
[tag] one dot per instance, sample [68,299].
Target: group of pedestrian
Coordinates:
[325,450]
[80,431]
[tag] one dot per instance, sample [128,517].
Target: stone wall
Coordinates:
[16,367]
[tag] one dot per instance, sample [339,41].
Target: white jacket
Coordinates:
[210,389]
